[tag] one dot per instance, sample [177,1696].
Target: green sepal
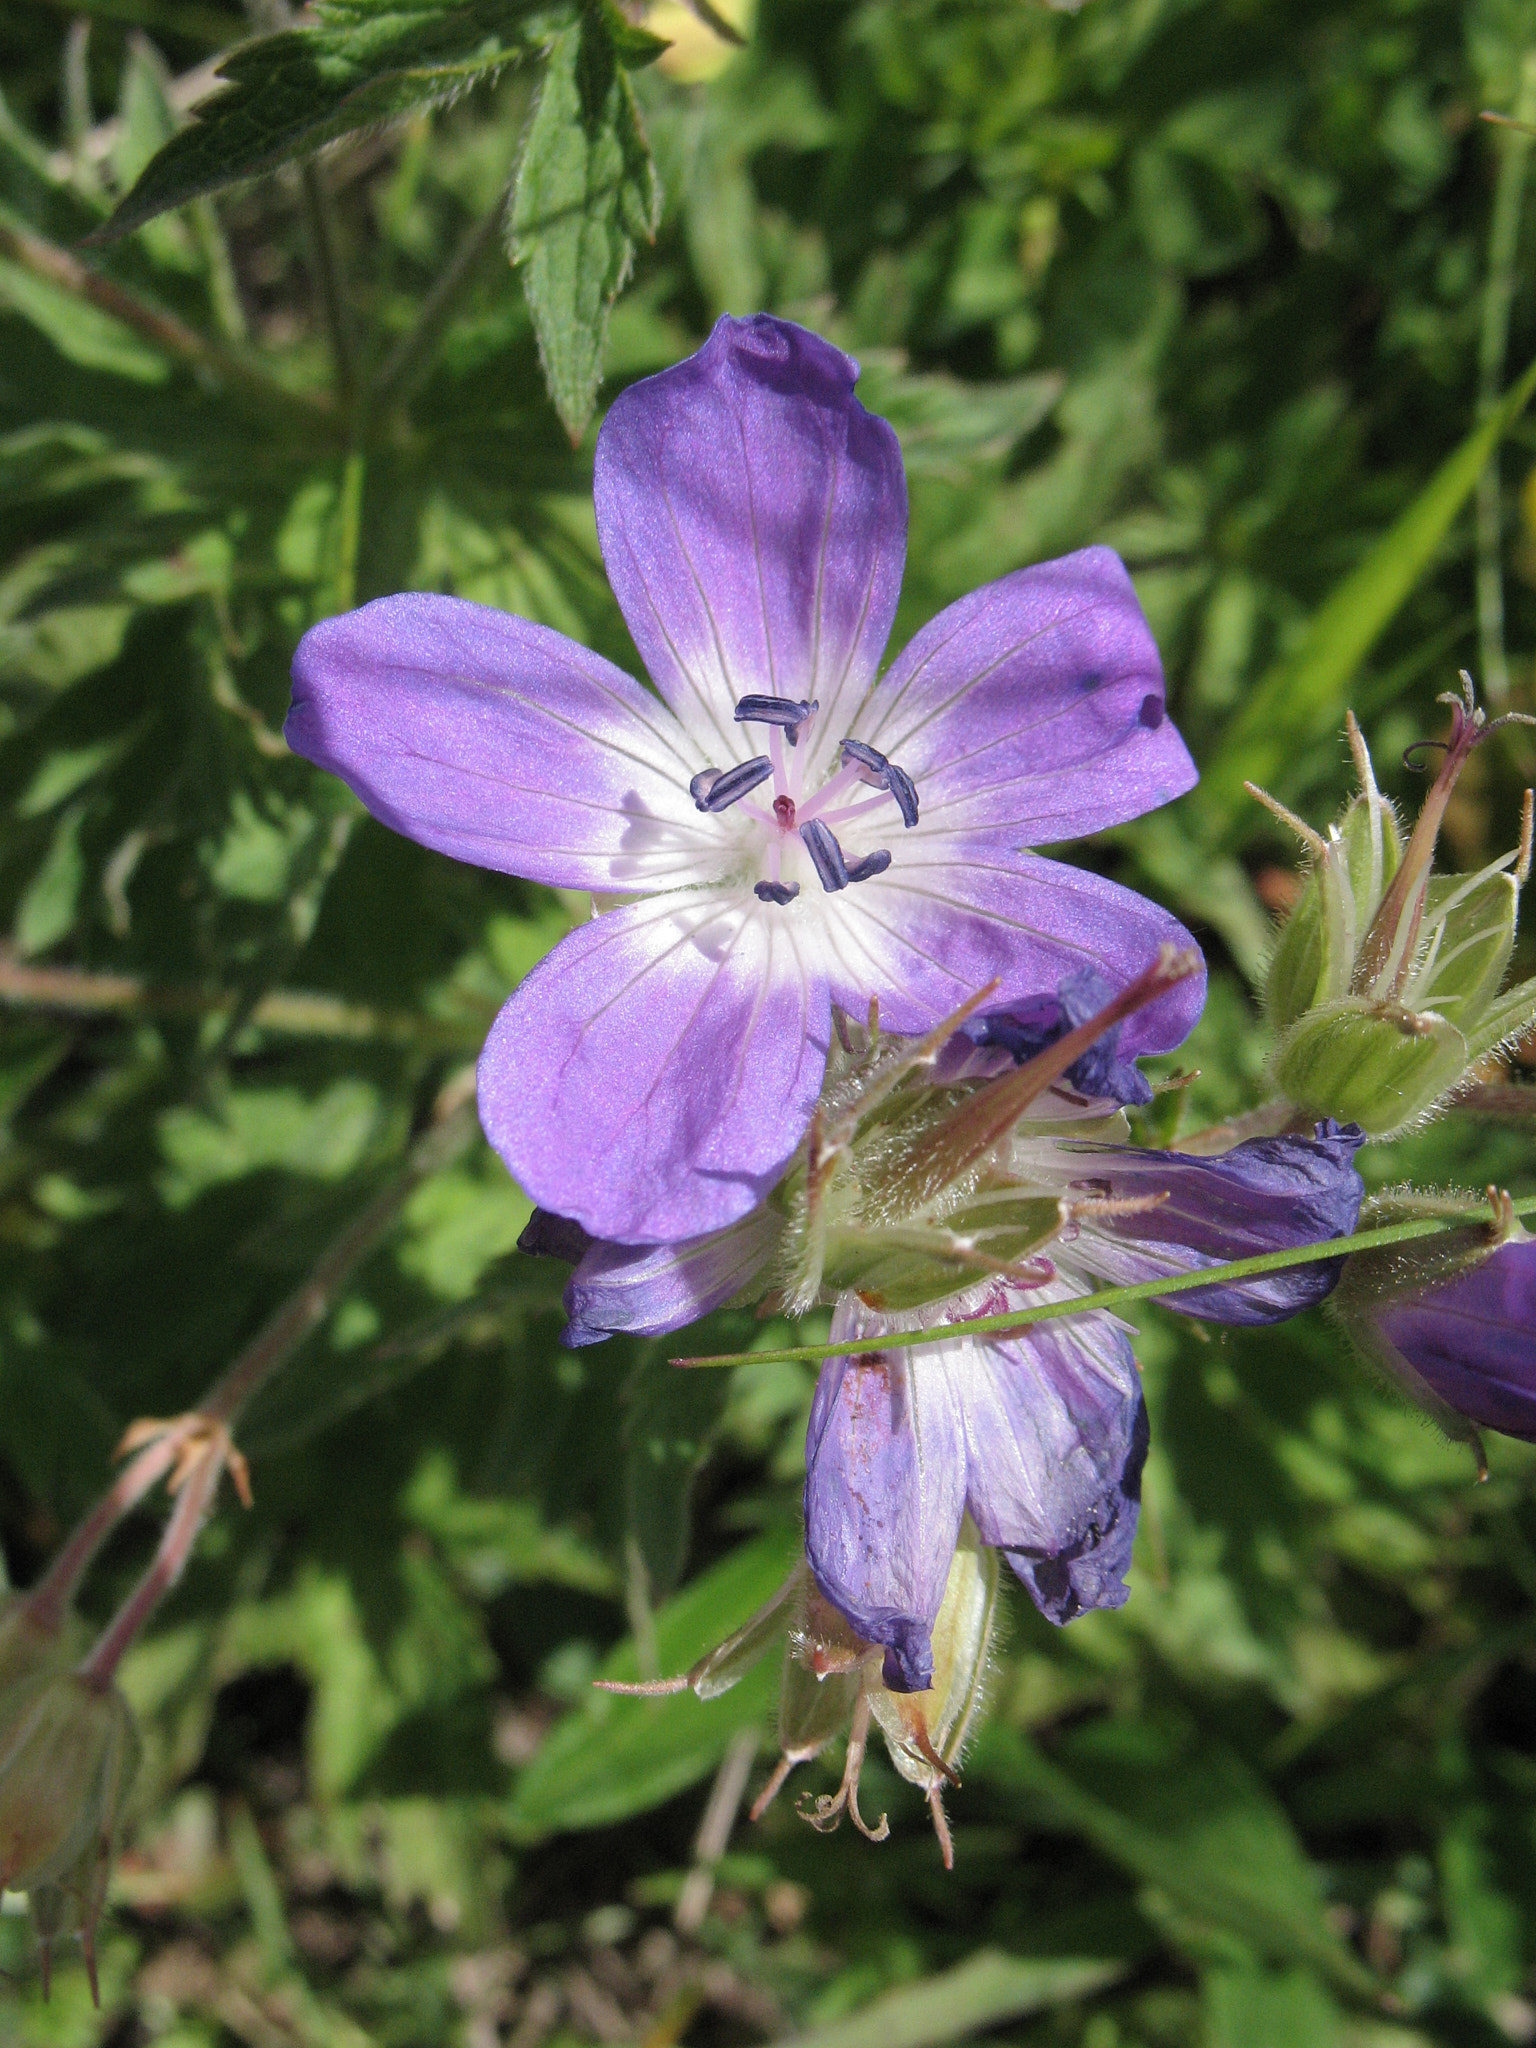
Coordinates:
[1362,1063]
[1510,1017]
[729,1662]
[812,1710]
[894,1269]
[1477,940]
[1296,966]
[962,1657]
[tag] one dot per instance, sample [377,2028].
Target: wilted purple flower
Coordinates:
[794,834]
[1041,1435]
[1464,1345]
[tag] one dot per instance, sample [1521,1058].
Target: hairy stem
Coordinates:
[450,1133]
[170,1561]
[1498,294]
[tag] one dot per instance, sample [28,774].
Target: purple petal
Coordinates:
[1473,1341]
[1034,707]
[753,519]
[501,743]
[950,915]
[1262,1196]
[647,1290]
[651,1077]
[1056,1436]
[1100,1074]
[884,1495]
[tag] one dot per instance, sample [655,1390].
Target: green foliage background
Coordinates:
[1215,281]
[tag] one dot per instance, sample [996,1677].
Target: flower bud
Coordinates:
[1385,982]
[1453,1323]
[68,1751]
[1381,1067]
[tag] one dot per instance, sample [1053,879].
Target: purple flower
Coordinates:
[1469,1344]
[792,834]
[1041,1436]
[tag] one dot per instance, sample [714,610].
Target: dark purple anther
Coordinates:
[826,856]
[833,870]
[776,892]
[715,790]
[790,712]
[871,864]
[884,774]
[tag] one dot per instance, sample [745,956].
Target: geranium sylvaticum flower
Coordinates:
[784,832]
[942,1181]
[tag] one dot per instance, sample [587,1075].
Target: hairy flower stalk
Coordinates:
[1386,985]
[775,832]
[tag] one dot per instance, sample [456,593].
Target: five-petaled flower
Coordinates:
[789,832]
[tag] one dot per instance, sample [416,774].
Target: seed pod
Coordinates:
[67,1756]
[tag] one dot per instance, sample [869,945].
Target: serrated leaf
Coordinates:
[290,94]
[587,196]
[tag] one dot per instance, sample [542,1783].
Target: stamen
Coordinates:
[776,892]
[832,870]
[789,712]
[713,789]
[884,774]
[826,856]
[871,864]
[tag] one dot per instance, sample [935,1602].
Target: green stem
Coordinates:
[451,1132]
[334,310]
[412,354]
[62,268]
[1498,294]
[1119,1297]
[349,530]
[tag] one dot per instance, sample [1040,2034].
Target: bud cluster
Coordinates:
[1386,985]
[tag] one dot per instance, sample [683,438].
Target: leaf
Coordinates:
[982,1991]
[587,195]
[1205,1833]
[493,1544]
[1302,697]
[82,333]
[1244,2007]
[613,1756]
[290,94]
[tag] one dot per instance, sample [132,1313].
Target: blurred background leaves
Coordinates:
[1218,282]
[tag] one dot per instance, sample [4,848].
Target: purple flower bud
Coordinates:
[1464,1346]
